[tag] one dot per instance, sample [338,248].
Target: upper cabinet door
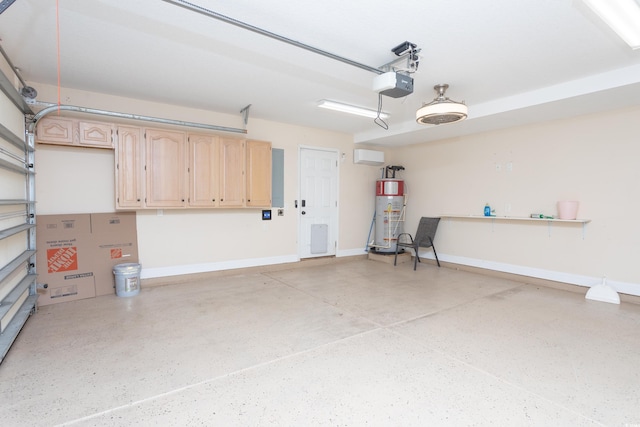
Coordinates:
[258,174]
[66,131]
[203,170]
[129,168]
[165,168]
[94,134]
[52,130]
[232,161]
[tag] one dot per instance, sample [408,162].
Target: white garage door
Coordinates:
[17,216]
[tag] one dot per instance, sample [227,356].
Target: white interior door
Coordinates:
[318,202]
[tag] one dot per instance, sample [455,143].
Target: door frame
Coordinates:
[299,195]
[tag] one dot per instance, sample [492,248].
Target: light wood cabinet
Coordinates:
[258,178]
[204,170]
[166,170]
[158,169]
[51,130]
[94,134]
[232,162]
[78,133]
[129,168]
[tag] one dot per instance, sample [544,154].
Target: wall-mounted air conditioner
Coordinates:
[368,157]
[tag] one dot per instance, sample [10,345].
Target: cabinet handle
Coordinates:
[222,200]
[183,200]
[213,200]
[138,199]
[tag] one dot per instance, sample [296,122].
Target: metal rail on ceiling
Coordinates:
[211,14]
[50,108]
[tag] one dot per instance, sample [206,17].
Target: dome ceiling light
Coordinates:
[441,110]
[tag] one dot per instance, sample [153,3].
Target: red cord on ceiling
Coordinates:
[58,48]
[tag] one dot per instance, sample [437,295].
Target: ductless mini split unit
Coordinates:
[368,157]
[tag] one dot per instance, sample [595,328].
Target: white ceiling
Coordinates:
[512,61]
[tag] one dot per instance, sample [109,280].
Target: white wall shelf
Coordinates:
[493,219]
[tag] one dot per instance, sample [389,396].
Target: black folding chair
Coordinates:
[423,239]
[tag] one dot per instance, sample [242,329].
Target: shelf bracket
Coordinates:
[245,115]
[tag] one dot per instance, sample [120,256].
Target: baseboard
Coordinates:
[187,273]
[560,280]
[351,252]
[534,275]
[178,270]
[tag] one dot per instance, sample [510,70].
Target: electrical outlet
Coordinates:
[280,212]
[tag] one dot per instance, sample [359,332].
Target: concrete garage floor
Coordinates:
[348,343]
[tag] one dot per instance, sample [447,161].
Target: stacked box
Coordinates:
[76,253]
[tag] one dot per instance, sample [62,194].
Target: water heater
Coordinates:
[389,214]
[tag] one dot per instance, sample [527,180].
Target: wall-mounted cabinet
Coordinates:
[258,173]
[73,132]
[129,168]
[164,169]
[232,162]
[204,181]
[55,131]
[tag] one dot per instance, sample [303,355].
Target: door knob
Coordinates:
[303,212]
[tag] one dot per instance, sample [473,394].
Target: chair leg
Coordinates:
[417,260]
[435,253]
[396,257]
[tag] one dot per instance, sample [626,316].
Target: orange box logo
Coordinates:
[62,259]
[116,253]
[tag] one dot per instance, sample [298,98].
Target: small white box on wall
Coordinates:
[368,157]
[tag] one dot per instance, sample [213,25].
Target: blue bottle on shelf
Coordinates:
[487,210]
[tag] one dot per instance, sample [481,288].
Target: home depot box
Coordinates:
[88,246]
[113,241]
[63,258]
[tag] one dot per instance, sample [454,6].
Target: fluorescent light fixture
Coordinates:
[351,109]
[623,16]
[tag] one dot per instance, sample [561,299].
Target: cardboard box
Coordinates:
[76,253]
[63,259]
[114,241]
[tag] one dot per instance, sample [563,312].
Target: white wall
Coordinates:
[592,159]
[81,180]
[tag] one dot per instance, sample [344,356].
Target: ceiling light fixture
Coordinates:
[623,16]
[352,109]
[441,110]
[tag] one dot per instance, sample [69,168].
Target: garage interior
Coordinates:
[255,213]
